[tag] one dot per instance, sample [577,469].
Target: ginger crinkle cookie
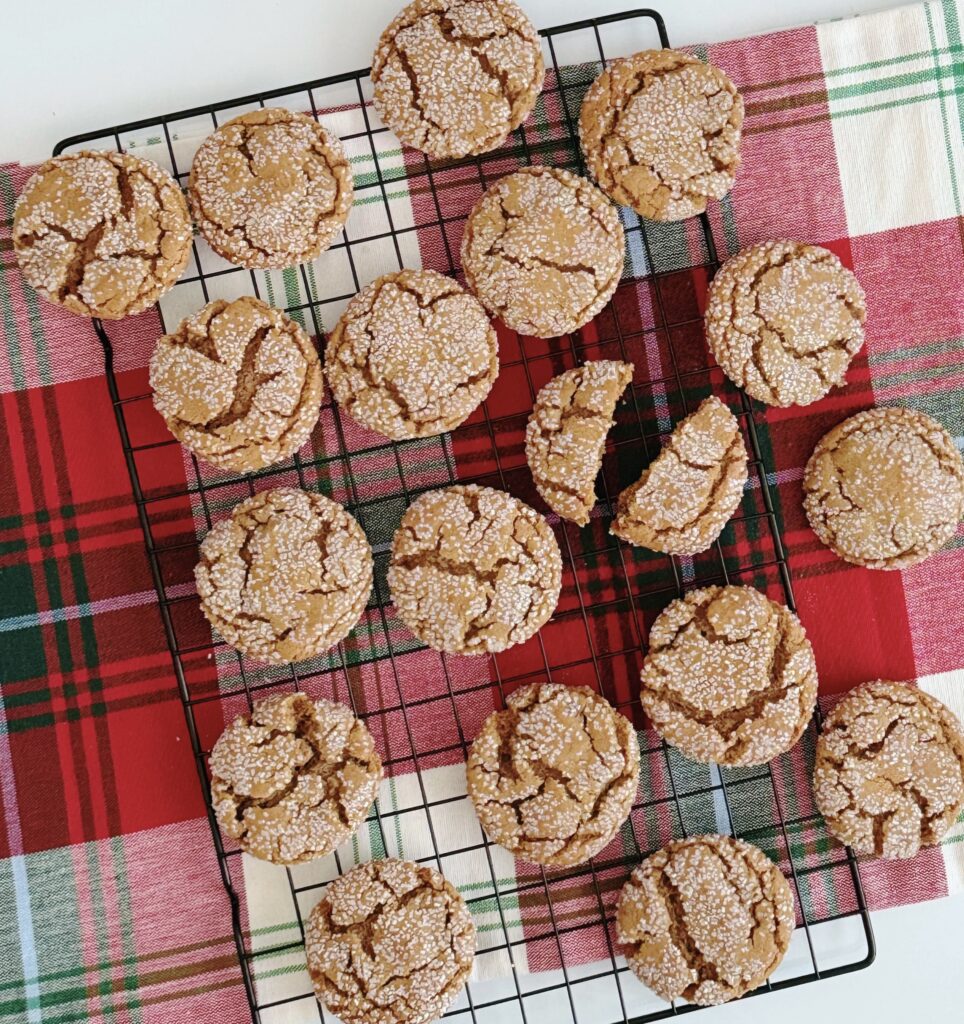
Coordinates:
[661,133]
[286,577]
[553,776]
[454,77]
[566,434]
[543,250]
[391,942]
[239,384]
[413,355]
[784,320]
[270,189]
[293,779]
[706,919]
[101,234]
[691,489]
[730,676]
[889,770]
[474,570]
[885,488]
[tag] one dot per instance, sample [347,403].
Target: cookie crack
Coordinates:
[680,936]
[809,360]
[400,1007]
[316,765]
[726,723]
[247,385]
[436,560]
[406,65]
[619,101]
[525,262]
[474,46]
[732,458]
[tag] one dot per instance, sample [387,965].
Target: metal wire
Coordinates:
[640,584]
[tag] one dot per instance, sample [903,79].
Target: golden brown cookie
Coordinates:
[239,383]
[293,779]
[730,676]
[543,250]
[270,188]
[889,770]
[454,77]
[691,489]
[474,570]
[566,434]
[101,234]
[885,488]
[661,133]
[553,777]
[784,320]
[391,942]
[286,577]
[706,919]
[413,355]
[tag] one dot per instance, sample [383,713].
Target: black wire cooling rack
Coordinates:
[547,920]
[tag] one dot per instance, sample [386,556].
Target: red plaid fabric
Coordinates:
[111,897]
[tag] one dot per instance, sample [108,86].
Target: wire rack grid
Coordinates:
[610,594]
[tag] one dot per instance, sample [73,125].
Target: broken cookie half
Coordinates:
[691,489]
[566,435]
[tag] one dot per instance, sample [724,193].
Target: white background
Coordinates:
[74,65]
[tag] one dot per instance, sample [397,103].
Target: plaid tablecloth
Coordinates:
[111,906]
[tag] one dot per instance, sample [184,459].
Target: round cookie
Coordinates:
[286,577]
[238,383]
[270,189]
[566,434]
[554,775]
[101,234]
[706,919]
[730,676]
[474,570]
[454,77]
[543,250]
[691,489]
[661,133]
[293,779]
[391,942]
[413,355]
[784,320]
[889,770]
[885,488]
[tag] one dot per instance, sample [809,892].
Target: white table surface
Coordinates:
[69,67]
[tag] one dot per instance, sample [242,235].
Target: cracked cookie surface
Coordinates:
[543,250]
[391,942]
[554,775]
[101,234]
[706,919]
[413,355]
[661,133]
[784,320]
[889,770]
[885,488]
[474,570]
[691,489]
[270,189]
[566,434]
[293,779]
[238,383]
[730,676]
[286,577]
[454,77]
